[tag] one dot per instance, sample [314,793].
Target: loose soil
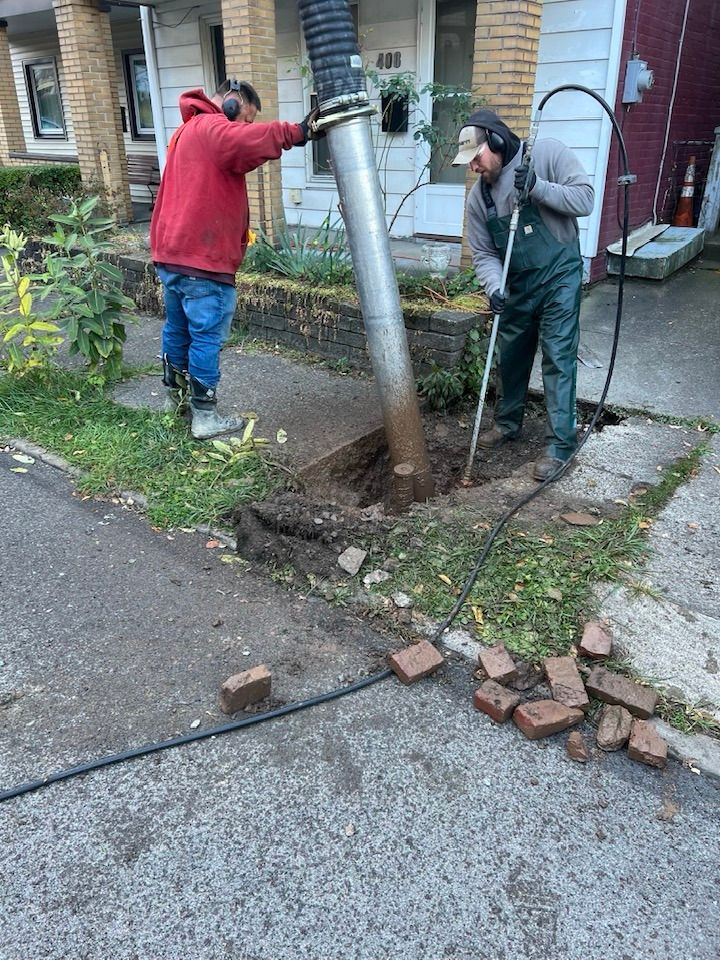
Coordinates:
[351,499]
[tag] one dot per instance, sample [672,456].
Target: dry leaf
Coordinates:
[554,593]
[644,524]
[580,519]
[445,579]
[18,469]
[23,458]
[212,544]
[478,614]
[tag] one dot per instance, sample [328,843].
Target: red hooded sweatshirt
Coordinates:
[201,215]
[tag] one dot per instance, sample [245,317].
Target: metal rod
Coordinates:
[355,169]
[491,346]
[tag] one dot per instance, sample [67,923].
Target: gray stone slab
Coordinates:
[662,256]
[622,456]
[666,643]
[685,541]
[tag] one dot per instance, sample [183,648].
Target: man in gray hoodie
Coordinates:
[542,296]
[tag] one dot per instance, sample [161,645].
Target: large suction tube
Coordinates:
[344,112]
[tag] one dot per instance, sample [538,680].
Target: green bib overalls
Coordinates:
[543,301]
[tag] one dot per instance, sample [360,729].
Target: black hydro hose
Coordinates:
[181,741]
[625,180]
[333,50]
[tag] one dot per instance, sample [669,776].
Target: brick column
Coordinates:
[507,36]
[91,92]
[11,131]
[250,54]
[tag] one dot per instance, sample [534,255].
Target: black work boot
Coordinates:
[546,466]
[178,389]
[493,438]
[206,422]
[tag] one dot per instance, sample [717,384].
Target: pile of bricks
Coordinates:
[627,705]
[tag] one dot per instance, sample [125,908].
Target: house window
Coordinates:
[138,96]
[320,150]
[44,96]
[217,42]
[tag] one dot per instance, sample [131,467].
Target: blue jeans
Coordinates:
[198,317]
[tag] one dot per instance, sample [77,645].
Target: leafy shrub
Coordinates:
[90,306]
[30,195]
[31,338]
[444,388]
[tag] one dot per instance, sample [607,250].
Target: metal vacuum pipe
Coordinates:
[342,97]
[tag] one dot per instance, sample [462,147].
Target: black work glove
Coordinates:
[521,180]
[309,127]
[497,302]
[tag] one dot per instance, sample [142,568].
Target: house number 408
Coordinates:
[388,60]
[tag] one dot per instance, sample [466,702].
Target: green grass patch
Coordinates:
[118,448]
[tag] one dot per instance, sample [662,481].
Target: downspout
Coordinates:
[148,35]
[344,113]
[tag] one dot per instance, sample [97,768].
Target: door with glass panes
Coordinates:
[446,39]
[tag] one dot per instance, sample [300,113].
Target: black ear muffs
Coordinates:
[231,108]
[495,141]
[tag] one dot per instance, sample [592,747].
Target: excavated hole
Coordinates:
[349,495]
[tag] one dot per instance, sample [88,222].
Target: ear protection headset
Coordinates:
[232,107]
[495,141]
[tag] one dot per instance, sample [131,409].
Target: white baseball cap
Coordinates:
[470,142]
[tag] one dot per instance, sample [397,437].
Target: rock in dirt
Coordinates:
[565,682]
[580,519]
[542,718]
[576,748]
[242,689]
[402,601]
[646,745]
[415,662]
[498,664]
[612,688]
[377,576]
[614,727]
[596,641]
[494,700]
[351,560]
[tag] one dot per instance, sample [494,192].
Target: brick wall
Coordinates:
[250,54]
[11,131]
[91,85]
[507,36]
[695,114]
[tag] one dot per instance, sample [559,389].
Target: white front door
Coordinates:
[446,35]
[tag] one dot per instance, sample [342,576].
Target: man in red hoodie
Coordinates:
[198,236]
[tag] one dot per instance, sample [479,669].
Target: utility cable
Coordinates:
[148,749]
[181,741]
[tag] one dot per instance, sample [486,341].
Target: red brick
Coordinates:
[565,682]
[498,664]
[242,689]
[596,641]
[415,662]
[614,727]
[612,688]
[541,718]
[494,700]
[576,748]
[646,745]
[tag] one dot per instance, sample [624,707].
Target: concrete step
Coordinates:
[662,256]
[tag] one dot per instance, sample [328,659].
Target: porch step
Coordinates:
[662,256]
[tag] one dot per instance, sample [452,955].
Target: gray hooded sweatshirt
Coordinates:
[562,193]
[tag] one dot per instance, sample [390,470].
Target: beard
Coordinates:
[490,176]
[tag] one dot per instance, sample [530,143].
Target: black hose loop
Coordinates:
[333,49]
